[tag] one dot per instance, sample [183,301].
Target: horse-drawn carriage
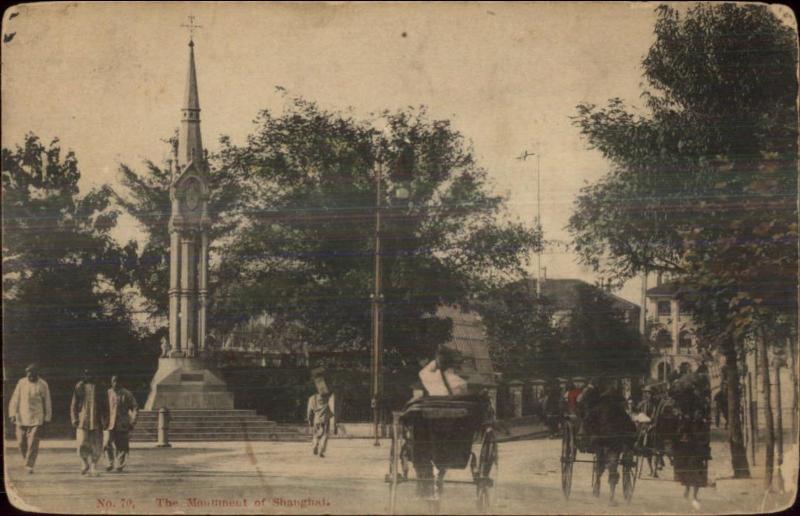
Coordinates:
[575,440]
[445,432]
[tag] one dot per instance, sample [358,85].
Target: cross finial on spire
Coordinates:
[191,26]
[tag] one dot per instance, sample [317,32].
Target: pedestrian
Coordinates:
[89,413]
[588,397]
[648,406]
[122,412]
[691,449]
[29,410]
[320,415]
[572,394]
[439,377]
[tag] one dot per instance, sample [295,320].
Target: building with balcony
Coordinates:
[671,331]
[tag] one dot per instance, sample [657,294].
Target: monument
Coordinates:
[184,379]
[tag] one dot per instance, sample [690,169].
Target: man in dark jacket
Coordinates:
[122,411]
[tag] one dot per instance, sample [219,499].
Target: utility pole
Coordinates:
[377,309]
[643,309]
[524,157]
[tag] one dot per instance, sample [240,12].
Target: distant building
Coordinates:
[563,293]
[671,331]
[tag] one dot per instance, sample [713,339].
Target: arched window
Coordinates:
[663,339]
[685,342]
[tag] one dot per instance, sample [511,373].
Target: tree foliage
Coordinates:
[703,183]
[304,250]
[599,341]
[65,301]
[523,339]
[704,180]
[535,337]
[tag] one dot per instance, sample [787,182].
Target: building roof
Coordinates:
[563,292]
[669,289]
[469,338]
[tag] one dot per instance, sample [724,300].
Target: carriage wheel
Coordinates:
[629,467]
[568,452]
[487,466]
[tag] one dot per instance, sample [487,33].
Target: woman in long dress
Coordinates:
[691,448]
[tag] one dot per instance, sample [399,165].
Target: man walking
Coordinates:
[30,409]
[122,412]
[89,412]
[320,413]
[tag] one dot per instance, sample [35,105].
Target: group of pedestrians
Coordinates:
[102,419]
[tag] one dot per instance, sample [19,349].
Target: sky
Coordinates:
[108,81]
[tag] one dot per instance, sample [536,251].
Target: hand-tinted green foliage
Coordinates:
[294,219]
[599,341]
[64,276]
[530,337]
[523,340]
[304,249]
[704,182]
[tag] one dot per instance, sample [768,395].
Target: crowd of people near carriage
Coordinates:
[671,419]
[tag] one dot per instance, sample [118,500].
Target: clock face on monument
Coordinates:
[191,200]
[193,195]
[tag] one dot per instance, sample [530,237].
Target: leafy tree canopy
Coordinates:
[297,203]
[64,276]
[599,341]
[704,180]
[523,339]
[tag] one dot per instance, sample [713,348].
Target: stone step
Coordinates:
[213,425]
[200,413]
[213,420]
[189,429]
[223,436]
[231,437]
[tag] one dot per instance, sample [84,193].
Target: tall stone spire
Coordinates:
[190,143]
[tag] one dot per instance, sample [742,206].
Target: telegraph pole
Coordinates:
[524,157]
[377,309]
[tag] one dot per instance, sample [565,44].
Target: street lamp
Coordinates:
[402,171]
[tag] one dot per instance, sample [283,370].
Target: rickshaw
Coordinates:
[572,442]
[445,432]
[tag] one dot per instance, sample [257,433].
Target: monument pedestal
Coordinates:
[187,384]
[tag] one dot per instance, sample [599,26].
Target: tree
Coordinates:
[64,277]
[523,341]
[704,180]
[304,249]
[598,341]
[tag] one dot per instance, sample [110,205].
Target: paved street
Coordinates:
[269,477]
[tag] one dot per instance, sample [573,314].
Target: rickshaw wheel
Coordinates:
[568,453]
[487,459]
